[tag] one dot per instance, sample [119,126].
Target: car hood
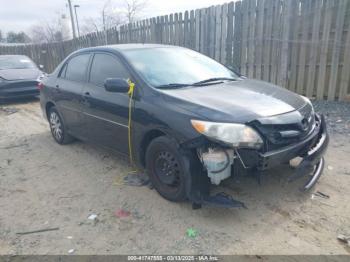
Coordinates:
[240,101]
[20,74]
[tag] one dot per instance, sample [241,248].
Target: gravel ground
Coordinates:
[337,115]
[45,185]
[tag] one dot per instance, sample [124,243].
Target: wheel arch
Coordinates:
[48,107]
[146,140]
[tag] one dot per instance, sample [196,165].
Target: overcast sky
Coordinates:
[20,15]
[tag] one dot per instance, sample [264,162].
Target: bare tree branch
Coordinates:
[134,8]
[90,25]
[113,14]
[47,31]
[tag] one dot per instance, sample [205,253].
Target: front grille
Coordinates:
[280,135]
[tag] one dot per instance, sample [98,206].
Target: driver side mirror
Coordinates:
[116,85]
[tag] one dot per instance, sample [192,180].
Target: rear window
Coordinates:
[16,62]
[76,68]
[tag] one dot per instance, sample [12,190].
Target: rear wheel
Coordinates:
[165,168]
[57,127]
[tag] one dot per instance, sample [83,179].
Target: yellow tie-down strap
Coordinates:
[131,95]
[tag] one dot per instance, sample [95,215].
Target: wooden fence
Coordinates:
[302,45]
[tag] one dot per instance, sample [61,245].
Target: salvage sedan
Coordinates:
[19,77]
[186,119]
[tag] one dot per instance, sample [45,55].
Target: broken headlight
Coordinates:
[235,135]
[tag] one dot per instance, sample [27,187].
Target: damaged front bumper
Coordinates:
[311,149]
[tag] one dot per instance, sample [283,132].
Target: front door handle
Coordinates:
[85,98]
[57,88]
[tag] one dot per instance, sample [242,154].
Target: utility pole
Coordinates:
[104,14]
[104,19]
[76,18]
[104,25]
[72,18]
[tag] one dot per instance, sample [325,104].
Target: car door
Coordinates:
[106,112]
[68,93]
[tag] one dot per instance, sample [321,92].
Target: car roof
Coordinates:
[124,47]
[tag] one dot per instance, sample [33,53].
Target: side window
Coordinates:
[63,71]
[76,68]
[106,66]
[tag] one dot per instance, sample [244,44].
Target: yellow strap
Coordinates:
[131,88]
[131,94]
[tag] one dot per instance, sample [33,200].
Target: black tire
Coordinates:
[165,168]
[58,129]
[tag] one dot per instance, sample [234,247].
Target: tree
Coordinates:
[20,37]
[45,34]
[47,31]
[0,36]
[90,25]
[109,18]
[113,15]
[105,22]
[133,9]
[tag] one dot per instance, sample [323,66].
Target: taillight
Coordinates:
[40,86]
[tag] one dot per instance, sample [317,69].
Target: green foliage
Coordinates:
[20,37]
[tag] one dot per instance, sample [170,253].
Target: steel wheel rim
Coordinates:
[167,169]
[56,126]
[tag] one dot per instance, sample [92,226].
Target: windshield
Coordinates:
[164,66]
[15,62]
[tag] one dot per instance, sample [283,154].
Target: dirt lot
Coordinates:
[43,184]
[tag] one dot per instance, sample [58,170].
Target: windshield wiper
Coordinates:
[200,83]
[172,85]
[213,80]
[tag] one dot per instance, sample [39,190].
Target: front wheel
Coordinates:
[57,127]
[165,168]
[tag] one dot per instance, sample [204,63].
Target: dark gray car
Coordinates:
[19,77]
[190,121]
